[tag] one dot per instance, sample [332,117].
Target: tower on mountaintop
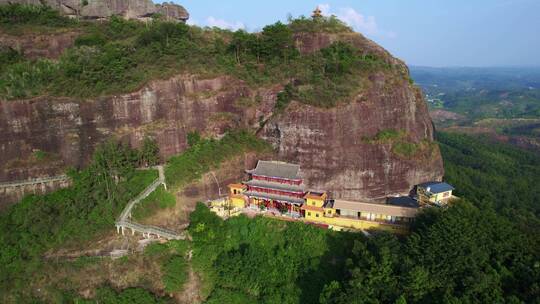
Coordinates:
[317,13]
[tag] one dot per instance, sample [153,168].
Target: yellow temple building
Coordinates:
[278,188]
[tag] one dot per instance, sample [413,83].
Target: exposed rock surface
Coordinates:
[40,45]
[99,9]
[329,144]
[167,110]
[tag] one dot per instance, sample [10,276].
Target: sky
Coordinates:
[441,33]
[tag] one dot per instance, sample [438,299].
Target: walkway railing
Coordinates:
[148,230]
[35,181]
[124,220]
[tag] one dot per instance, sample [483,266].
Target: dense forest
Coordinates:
[485,248]
[90,206]
[87,210]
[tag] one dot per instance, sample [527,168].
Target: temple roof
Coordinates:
[275,197]
[316,195]
[236,185]
[277,186]
[276,169]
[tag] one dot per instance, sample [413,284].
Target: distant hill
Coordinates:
[496,78]
[501,102]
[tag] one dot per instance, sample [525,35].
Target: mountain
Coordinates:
[325,97]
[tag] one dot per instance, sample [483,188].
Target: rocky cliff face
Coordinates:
[35,46]
[69,129]
[99,9]
[333,148]
[331,145]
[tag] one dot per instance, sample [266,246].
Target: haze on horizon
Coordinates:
[479,33]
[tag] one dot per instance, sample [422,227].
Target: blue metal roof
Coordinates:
[436,187]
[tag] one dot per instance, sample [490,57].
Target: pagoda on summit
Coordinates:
[317,13]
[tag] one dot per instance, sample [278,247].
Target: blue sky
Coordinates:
[421,32]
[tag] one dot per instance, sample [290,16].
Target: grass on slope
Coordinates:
[159,199]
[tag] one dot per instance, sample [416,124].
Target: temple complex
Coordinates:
[278,188]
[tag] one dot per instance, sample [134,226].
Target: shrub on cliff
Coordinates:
[21,14]
[207,154]
[9,56]
[119,56]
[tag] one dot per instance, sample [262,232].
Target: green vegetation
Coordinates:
[40,155]
[9,56]
[502,101]
[387,135]
[172,257]
[119,56]
[175,274]
[207,154]
[149,153]
[401,145]
[491,173]
[108,295]
[461,255]
[484,250]
[159,199]
[193,138]
[19,14]
[90,206]
[406,149]
[264,260]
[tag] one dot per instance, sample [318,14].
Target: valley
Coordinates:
[501,103]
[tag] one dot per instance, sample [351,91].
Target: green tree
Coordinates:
[193,138]
[277,42]
[149,152]
[242,45]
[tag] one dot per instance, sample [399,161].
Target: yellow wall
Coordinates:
[435,197]
[238,190]
[355,223]
[440,196]
[329,211]
[315,202]
[238,202]
[314,215]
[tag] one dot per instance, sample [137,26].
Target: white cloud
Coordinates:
[364,24]
[325,9]
[211,21]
